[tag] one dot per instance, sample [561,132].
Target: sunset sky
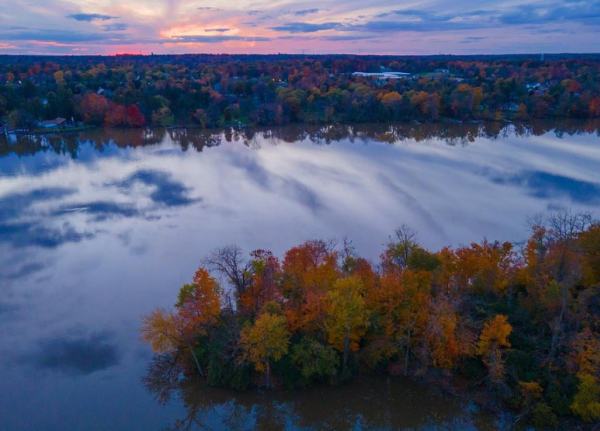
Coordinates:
[313,27]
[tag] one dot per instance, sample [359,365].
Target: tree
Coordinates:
[403,298]
[134,117]
[166,333]
[265,342]
[314,359]
[493,338]
[200,303]
[347,317]
[586,403]
[308,272]
[93,108]
[228,262]
[263,288]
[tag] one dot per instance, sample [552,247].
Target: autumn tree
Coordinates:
[308,273]
[265,342]
[586,403]
[347,317]
[492,339]
[403,298]
[264,283]
[167,332]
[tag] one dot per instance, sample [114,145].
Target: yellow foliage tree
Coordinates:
[265,342]
[493,337]
[347,317]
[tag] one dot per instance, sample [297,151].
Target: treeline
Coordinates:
[272,90]
[514,325]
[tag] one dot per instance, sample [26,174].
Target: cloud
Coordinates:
[218,29]
[60,36]
[29,234]
[412,13]
[215,39]
[14,205]
[118,26]
[208,8]
[100,210]
[416,26]
[77,354]
[167,192]
[473,39]
[304,12]
[89,17]
[545,185]
[24,271]
[587,12]
[305,27]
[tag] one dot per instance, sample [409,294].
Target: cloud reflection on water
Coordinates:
[98,235]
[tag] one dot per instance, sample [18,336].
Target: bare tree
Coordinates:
[228,262]
[403,244]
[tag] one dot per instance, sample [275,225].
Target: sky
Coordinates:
[311,27]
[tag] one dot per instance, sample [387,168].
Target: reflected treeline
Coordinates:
[370,403]
[188,138]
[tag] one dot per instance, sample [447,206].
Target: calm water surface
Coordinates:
[96,229]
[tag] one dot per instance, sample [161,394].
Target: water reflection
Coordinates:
[98,228]
[451,134]
[372,403]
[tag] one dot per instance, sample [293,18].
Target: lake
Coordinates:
[98,228]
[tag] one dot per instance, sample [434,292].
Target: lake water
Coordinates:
[98,228]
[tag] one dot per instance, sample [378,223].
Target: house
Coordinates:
[57,123]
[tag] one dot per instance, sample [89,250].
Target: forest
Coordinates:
[513,326]
[218,90]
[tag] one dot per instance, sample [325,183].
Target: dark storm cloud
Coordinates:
[305,27]
[89,17]
[77,354]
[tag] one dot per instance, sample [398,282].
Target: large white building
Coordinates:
[383,75]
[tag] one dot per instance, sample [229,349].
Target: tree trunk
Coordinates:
[268,375]
[198,367]
[407,353]
[346,346]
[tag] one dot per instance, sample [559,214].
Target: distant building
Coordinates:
[383,75]
[57,123]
